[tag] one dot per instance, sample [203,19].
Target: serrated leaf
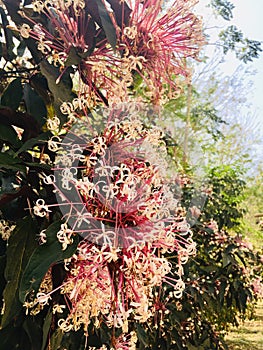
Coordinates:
[20,246]
[12,95]
[107,24]
[35,105]
[42,258]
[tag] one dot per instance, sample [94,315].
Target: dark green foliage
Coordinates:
[232,39]
[224,204]
[12,96]
[34,104]
[42,258]
[245,49]
[205,117]
[219,290]
[20,247]
[8,45]
[107,24]
[223,8]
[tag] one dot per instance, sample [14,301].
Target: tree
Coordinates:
[232,38]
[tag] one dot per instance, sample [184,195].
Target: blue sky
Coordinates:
[247,16]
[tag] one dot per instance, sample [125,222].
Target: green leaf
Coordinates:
[34,333]
[8,134]
[46,329]
[230,248]
[226,259]
[107,24]
[56,339]
[2,278]
[38,166]
[20,246]
[21,48]
[9,44]
[62,89]
[73,57]
[73,340]
[137,80]
[142,335]
[9,184]
[13,338]
[9,162]
[223,8]
[42,258]
[222,290]
[12,95]
[29,144]
[35,105]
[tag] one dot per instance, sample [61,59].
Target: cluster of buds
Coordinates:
[36,304]
[6,229]
[158,43]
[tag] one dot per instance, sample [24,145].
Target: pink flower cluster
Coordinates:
[150,42]
[127,214]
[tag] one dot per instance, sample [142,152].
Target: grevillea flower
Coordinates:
[67,30]
[71,38]
[159,43]
[151,43]
[113,191]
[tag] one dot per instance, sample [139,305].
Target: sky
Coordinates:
[247,16]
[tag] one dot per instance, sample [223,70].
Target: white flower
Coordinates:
[43,298]
[49,179]
[42,237]
[53,144]
[53,124]
[58,308]
[64,236]
[25,31]
[41,209]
